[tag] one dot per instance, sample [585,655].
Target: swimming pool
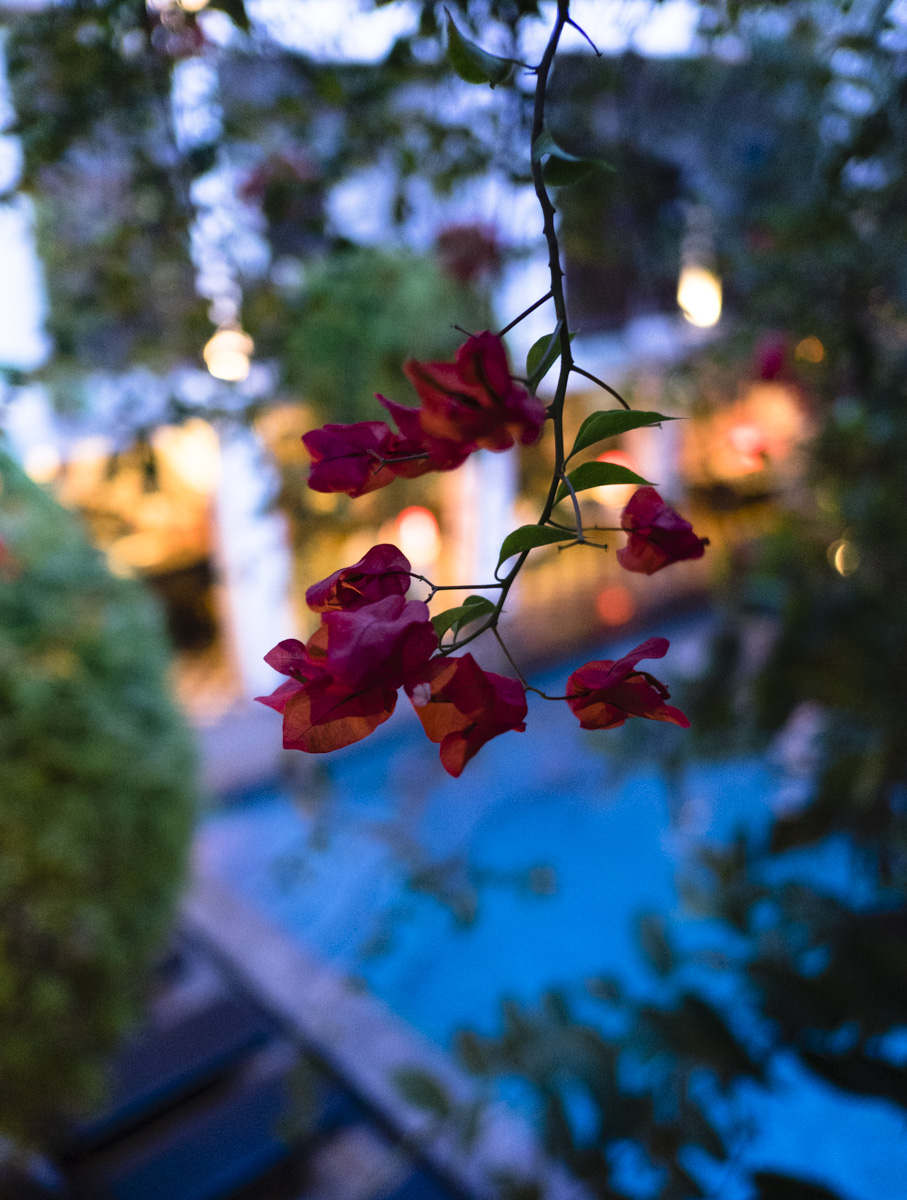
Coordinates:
[443,896]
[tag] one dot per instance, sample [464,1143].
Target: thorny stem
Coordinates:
[556,408]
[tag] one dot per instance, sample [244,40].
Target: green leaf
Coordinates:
[603,425]
[471,609]
[560,173]
[423,1091]
[542,357]
[527,537]
[562,167]
[596,474]
[471,62]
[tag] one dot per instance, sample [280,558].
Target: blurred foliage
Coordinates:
[360,314]
[96,806]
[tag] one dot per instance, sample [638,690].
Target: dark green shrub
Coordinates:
[96,805]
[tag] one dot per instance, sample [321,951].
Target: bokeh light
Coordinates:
[699,296]
[418,535]
[227,354]
[615,604]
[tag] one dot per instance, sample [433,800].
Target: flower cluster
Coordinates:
[343,683]
[470,404]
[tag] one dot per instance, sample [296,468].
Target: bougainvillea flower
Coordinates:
[462,707]
[320,712]
[381,644]
[603,694]
[441,454]
[346,458]
[475,398]
[658,537]
[384,571]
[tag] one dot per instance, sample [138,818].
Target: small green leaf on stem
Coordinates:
[603,425]
[596,474]
[562,167]
[471,609]
[471,62]
[527,537]
[542,357]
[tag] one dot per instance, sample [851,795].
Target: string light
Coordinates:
[227,354]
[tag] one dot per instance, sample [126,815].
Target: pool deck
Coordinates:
[356,1036]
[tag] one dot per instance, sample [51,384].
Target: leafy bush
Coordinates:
[96,805]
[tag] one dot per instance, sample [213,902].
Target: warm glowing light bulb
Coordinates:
[418,535]
[699,296]
[227,354]
[193,6]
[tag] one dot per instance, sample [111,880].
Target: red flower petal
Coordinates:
[380,644]
[325,715]
[659,535]
[603,694]
[475,399]
[462,707]
[384,571]
[442,454]
[344,456]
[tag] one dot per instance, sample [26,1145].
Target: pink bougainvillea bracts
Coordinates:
[349,458]
[659,535]
[462,707]
[475,400]
[384,571]
[603,694]
[321,713]
[382,643]
[440,454]
[372,640]
[343,682]
[469,404]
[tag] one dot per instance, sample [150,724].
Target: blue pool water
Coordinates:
[530,872]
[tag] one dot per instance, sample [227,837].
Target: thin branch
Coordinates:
[601,383]
[594,528]
[460,329]
[523,315]
[579,29]
[389,462]
[510,659]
